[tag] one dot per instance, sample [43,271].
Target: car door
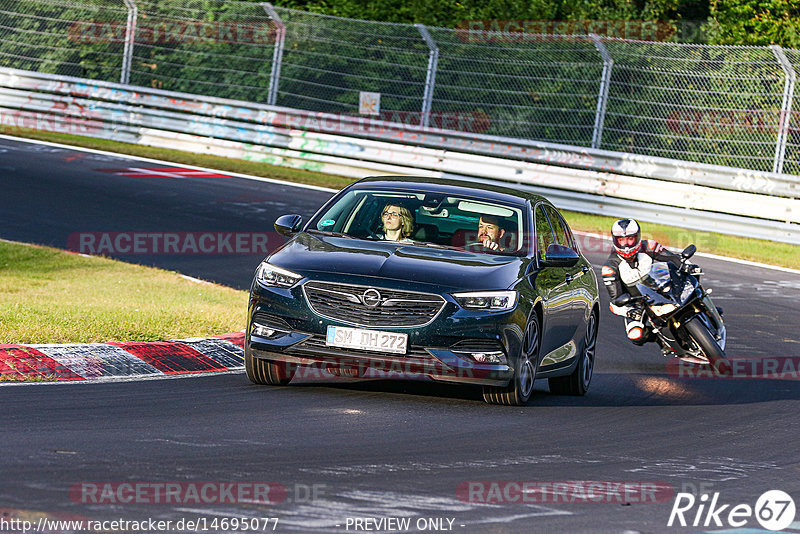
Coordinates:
[576,277]
[550,283]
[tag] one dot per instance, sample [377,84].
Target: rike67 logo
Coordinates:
[774,510]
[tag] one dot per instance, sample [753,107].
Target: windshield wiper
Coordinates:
[329,233]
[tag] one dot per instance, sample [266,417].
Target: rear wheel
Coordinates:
[519,389]
[266,371]
[578,382]
[708,346]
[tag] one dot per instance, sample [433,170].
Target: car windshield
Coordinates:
[424,218]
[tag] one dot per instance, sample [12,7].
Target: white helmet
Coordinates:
[626,228]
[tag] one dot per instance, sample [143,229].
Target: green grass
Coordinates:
[737,247]
[51,296]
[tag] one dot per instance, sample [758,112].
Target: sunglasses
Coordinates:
[392,214]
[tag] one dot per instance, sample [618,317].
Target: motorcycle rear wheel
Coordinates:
[708,346]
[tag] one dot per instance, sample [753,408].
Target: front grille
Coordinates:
[393,308]
[315,345]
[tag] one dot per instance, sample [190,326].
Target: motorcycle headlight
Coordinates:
[271,276]
[663,309]
[487,300]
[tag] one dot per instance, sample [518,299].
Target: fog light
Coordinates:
[488,357]
[262,331]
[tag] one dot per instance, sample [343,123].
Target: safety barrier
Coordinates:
[727,200]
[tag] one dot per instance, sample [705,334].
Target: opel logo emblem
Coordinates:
[371,297]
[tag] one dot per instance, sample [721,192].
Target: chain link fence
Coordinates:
[44,36]
[792,165]
[726,105]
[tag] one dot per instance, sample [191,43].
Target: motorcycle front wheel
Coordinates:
[708,346]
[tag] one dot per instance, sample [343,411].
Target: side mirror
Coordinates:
[688,252]
[560,256]
[288,225]
[623,300]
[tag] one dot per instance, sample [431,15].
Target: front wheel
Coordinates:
[266,371]
[519,389]
[578,382]
[708,346]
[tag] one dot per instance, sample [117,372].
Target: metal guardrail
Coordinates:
[724,105]
[679,193]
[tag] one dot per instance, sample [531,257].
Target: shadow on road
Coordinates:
[606,390]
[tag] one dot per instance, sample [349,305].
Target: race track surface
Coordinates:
[334,450]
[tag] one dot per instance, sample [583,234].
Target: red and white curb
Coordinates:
[137,359]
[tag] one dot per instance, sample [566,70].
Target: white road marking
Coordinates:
[167,163]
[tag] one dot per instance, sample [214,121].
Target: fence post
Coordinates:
[130,37]
[430,78]
[602,94]
[277,53]
[786,108]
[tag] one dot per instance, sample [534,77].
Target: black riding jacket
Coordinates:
[615,272]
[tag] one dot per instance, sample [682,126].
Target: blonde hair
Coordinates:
[407,225]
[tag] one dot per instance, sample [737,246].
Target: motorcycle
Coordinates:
[680,313]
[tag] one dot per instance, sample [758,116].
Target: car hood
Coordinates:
[338,258]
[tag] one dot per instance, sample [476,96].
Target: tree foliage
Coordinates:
[755,22]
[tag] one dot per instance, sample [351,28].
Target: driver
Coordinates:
[629,262]
[490,232]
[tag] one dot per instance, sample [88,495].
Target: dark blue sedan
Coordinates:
[426,278]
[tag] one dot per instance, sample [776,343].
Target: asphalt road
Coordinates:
[381,450]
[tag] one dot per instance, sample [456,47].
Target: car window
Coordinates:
[437,219]
[562,233]
[544,234]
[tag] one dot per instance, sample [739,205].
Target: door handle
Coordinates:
[569,278]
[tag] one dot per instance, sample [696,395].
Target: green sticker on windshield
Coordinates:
[327,222]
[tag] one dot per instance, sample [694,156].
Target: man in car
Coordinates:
[490,231]
[628,263]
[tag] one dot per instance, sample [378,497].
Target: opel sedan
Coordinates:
[430,279]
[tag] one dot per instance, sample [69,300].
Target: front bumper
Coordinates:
[443,350]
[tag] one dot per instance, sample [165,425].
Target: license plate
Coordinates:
[372,340]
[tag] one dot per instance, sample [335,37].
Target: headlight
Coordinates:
[487,300]
[271,276]
[686,292]
[663,309]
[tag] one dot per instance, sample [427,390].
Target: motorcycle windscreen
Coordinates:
[657,284]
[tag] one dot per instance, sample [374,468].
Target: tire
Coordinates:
[578,382]
[708,346]
[265,371]
[519,389]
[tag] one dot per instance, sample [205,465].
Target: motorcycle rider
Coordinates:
[628,263]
